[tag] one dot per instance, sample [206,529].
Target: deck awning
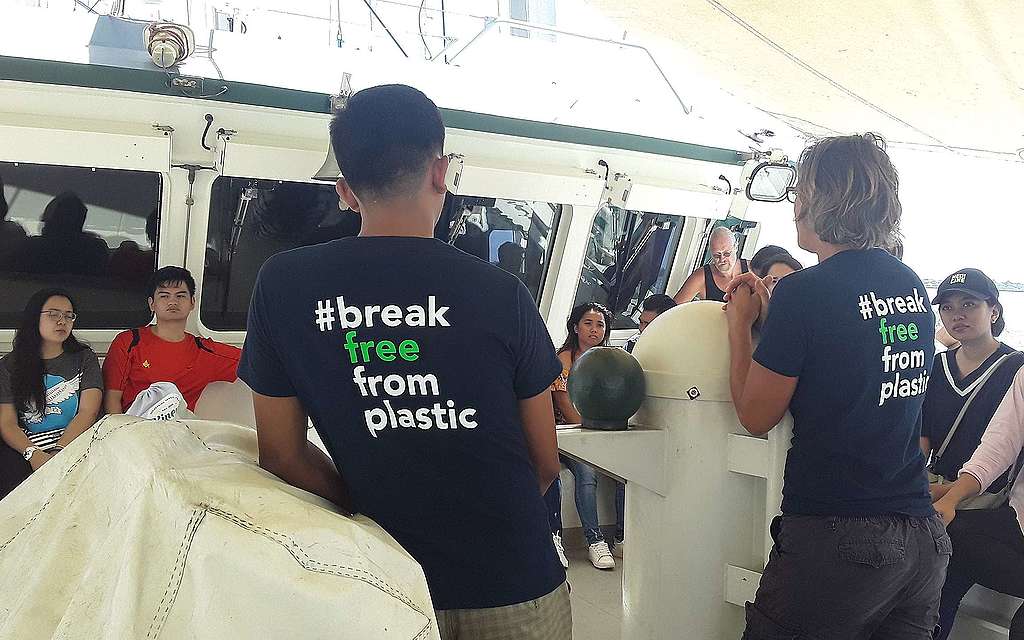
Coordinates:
[945,74]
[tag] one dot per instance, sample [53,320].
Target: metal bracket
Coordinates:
[223,138]
[194,87]
[345,92]
[165,129]
[757,136]
[773,155]
[616,190]
[454,174]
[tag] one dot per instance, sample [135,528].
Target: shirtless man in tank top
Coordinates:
[709,282]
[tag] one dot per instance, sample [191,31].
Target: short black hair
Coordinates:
[167,276]
[659,303]
[384,137]
[769,255]
[1000,324]
[759,263]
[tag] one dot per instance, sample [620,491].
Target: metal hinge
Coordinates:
[339,100]
[617,188]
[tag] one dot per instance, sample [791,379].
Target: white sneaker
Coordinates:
[560,550]
[600,556]
[619,548]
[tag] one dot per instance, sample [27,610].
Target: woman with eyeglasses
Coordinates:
[50,388]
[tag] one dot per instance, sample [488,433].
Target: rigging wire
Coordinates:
[801,126]
[419,25]
[391,35]
[91,9]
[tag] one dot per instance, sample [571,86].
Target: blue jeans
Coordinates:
[620,511]
[586,500]
[586,497]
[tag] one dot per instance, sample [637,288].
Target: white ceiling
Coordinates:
[948,73]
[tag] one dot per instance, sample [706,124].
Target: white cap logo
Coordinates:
[958,278]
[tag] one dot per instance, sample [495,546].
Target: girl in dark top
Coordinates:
[774,263]
[50,388]
[588,326]
[976,374]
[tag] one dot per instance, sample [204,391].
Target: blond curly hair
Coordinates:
[850,191]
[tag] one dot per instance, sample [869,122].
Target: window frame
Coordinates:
[198,236]
[230,336]
[552,241]
[260,157]
[619,335]
[92,145]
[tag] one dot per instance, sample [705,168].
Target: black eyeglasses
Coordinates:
[56,315]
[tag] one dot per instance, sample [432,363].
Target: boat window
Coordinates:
[515,235]
[90,231]
[251,220]
[629,256]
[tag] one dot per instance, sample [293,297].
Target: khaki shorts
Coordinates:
[546,618]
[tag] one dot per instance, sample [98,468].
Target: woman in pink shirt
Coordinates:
[988,544]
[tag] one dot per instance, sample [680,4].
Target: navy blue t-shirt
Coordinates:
[859,332]
[410,357]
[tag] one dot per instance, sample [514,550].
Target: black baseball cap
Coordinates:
[970,281]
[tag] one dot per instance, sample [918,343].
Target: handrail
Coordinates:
[490,22]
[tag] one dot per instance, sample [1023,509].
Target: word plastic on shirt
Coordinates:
[441,414]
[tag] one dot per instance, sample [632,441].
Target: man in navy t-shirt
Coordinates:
[425,372]
[847,348]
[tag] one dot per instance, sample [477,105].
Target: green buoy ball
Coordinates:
[607,386]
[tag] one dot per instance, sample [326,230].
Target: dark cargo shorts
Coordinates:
[831,578]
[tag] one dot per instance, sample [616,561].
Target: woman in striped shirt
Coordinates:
[50,388]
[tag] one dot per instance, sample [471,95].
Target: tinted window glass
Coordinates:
[251,220]
[515,235]
[629,256]
[91,231]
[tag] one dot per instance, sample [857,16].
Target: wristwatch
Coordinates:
[28,452]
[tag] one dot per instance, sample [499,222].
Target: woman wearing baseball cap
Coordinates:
[967,386]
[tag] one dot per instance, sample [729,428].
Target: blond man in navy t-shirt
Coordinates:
[847,348]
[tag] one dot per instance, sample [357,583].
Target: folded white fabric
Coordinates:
[160,401]
[167,530]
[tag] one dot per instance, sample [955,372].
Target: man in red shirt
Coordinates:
[165,352]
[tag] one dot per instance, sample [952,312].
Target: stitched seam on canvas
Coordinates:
[177,573]
[309,564]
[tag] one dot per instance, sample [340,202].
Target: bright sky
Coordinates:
[957,212]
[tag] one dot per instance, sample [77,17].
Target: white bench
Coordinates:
[984,615]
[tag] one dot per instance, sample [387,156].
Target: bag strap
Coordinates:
[202,346]
[978,386]
[136,337]
[1011,477]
